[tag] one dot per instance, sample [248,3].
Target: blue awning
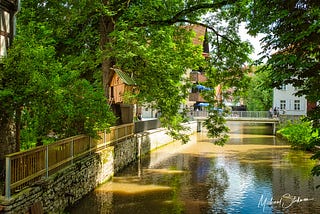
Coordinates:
[202,104]
[201,87]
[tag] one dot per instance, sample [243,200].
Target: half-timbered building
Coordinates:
[8,9]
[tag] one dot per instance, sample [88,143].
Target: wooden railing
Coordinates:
[27,167]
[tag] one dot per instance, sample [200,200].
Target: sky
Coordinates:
[253,40]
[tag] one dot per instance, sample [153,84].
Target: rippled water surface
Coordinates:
[253,173]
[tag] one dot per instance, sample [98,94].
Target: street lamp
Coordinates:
[8,9]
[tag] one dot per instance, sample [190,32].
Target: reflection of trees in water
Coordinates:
[260,172]
[258,163]
[296,158]
[218,182]
[175,183]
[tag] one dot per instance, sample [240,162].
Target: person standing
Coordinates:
[275,112]
[139,116]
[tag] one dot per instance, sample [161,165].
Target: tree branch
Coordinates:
[197,7]
[180,16]
[207,26]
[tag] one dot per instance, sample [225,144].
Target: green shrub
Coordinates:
[300,134]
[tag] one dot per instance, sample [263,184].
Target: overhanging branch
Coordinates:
[209,27]
[180,16]
[214,5]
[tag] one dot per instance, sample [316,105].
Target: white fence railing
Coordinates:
[233,114]
[250,114]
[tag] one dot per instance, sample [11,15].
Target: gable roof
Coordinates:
[125,77]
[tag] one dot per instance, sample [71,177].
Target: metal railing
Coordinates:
[234,114]
[250,114]
[25,168]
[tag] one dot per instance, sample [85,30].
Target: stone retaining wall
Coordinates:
[66,187]
[125,152]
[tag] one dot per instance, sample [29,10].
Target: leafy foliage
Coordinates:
[55,94]
[158,64]
[300,134]
[154,45]
[217,129]
[64,53]
[258,94]
[291,44]
[292,37]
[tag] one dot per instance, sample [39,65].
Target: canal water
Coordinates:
[253,173]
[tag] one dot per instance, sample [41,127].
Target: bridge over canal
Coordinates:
[241,116]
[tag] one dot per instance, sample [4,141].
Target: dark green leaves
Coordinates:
[292,37]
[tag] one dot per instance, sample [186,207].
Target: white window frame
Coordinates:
[297,105]
[283,104]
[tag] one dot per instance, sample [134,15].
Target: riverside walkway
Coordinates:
[241,116]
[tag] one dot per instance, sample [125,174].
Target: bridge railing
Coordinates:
[27,167]
[250,114]
[203,113]
[234,114]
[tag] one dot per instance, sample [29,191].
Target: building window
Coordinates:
[283,87]
[3,46]
[282,104]
[7,10]
[5,33]
[297,106]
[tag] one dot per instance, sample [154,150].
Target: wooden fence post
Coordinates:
[8,177]
[105,138]
[90,150]
[116,134]
[71,150]
[46,159]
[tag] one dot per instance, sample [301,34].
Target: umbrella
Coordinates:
[200,87]
[203,104]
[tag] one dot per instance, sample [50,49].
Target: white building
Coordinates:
[287,102]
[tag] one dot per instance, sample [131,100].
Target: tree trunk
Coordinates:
[7,139]
[106,27]
[18,129]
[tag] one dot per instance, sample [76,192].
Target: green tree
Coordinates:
[44,92]
[65,54]
[292,45]
[49,92]
[151,43]
[258,94]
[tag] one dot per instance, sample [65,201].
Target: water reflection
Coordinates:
[251,172]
